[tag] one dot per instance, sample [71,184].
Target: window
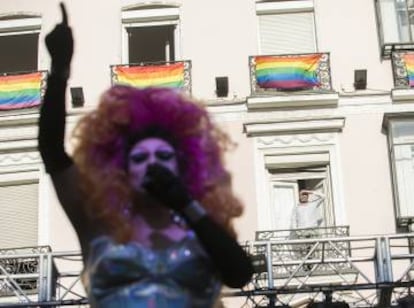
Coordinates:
[396,24]
[19,38]
[401,137]
[19,214]
[286,27]
[291,155]
[287,180]
[150,34]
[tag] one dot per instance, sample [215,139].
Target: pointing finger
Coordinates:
[64,14]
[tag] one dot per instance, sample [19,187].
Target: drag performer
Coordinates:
[146,192]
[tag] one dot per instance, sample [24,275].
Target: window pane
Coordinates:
[287,212]
[287,33]
[283,202]
[403,132]
[151,44]
[18,52]
[396,20]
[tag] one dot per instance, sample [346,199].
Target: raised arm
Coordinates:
[231,261]
[59,43]
[57,162]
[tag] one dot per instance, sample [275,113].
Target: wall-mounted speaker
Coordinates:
[77,97]
[360,79]
[222,86]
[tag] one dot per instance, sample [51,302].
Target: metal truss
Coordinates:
[360,271]
[372,271]
[38,277]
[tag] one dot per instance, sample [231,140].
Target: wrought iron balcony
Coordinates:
[22,90]
[403,69]
[281,74]
[175,74]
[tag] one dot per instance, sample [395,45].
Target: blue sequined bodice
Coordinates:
[131,275]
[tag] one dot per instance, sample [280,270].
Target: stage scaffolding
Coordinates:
[291,270]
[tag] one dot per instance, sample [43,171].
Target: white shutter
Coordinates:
[287,33]
[19,215]
[296,160]
[284,197]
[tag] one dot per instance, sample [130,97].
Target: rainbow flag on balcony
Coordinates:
[287,72]
[165,75]
[21,91]
[409,65]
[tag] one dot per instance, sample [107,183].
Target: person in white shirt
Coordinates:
[308,213]
[306,216]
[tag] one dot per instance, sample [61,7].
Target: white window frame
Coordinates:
[14,25]
[285,7]
[404,208]
[142,17]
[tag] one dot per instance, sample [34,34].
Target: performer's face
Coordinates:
[146,152]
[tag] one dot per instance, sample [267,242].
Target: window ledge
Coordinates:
[402,95]
[293,100]
[295,126]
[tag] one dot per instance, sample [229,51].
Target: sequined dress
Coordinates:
[132,275]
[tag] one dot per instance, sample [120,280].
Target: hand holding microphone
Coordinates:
[167,188]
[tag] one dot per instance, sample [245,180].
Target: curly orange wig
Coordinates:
[104,136]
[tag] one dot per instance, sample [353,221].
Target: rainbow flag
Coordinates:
[287,72]
[21,91]
[409,65]
[165,75]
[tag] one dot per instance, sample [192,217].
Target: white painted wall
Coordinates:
[367,175]
[347,29]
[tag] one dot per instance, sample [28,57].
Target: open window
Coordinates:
[395,20]
[285,185]
[150,34]
[19,38]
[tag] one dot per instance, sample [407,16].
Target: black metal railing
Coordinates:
[278,74]
[403,69]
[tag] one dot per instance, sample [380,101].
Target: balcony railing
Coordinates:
[324,232]
[36,276]
[403,69]
[25,269]
[22,90]
[161,74]
[277,74]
